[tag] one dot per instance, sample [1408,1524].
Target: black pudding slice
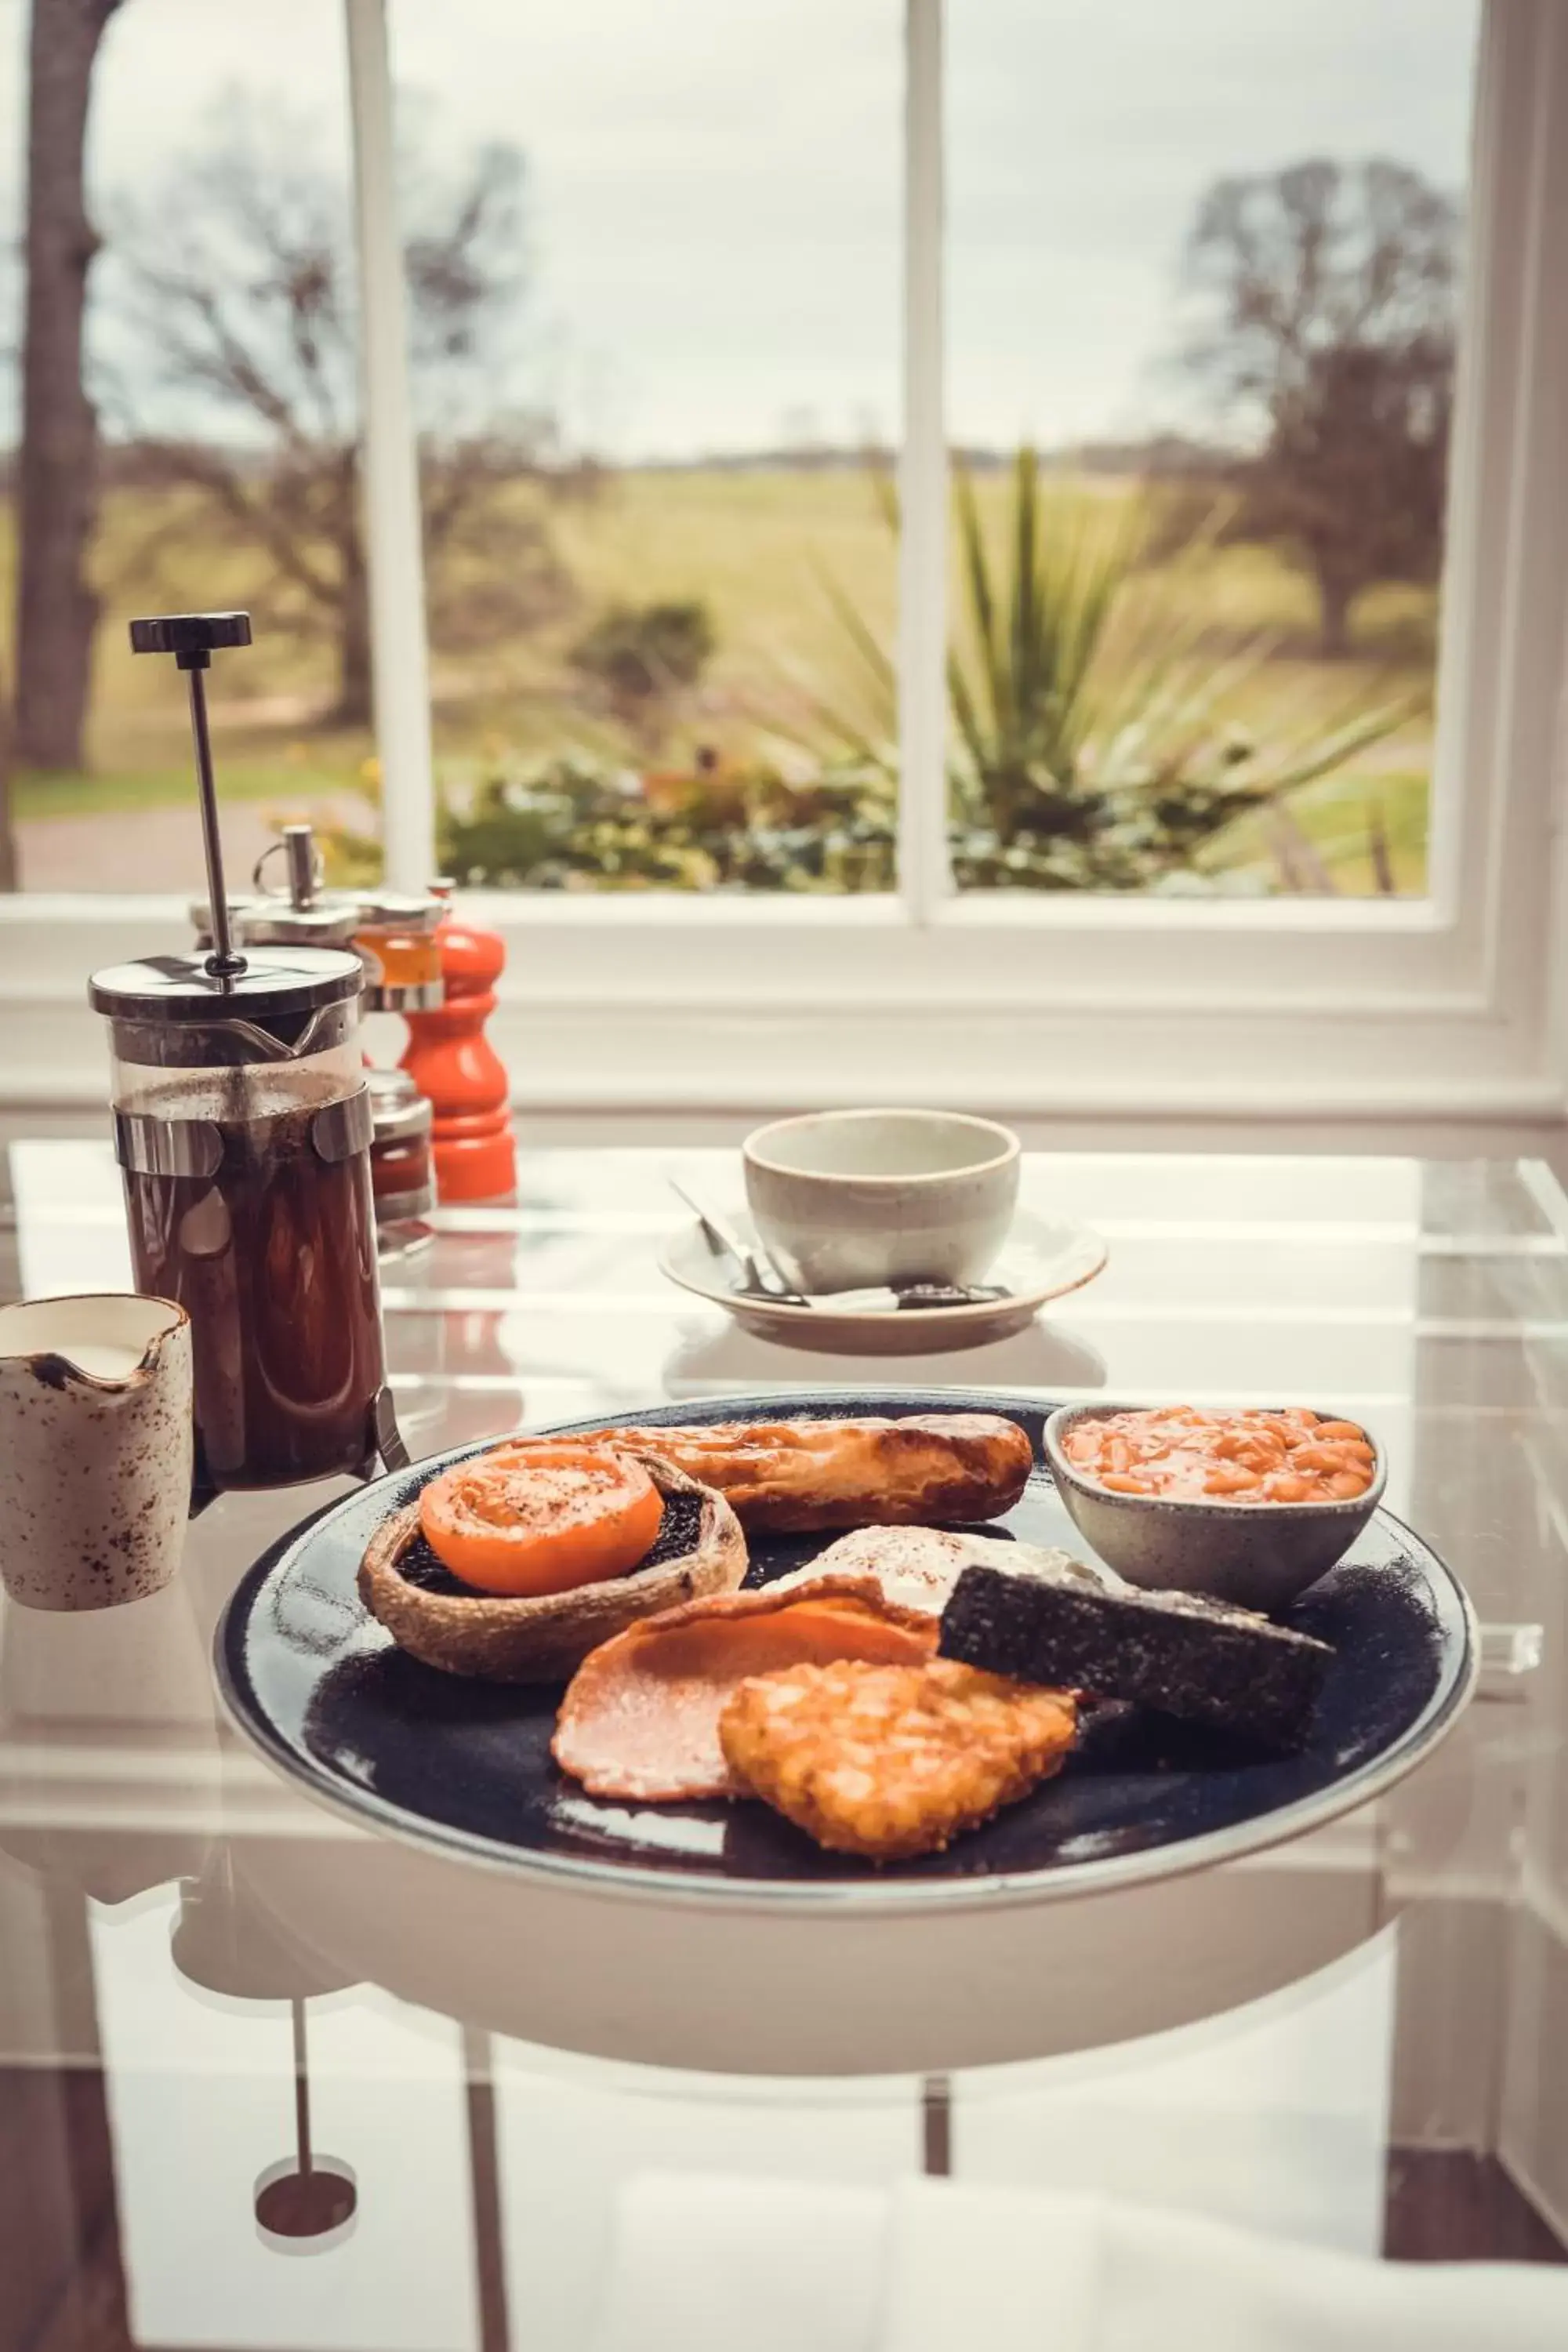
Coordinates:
[678,1533]
[1190,1657]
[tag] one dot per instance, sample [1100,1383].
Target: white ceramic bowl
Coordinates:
[1257,1555]
[848,1199]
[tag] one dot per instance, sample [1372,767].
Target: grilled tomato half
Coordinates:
[537,1517]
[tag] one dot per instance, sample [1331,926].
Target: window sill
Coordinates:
[1091,1009]
[676,910]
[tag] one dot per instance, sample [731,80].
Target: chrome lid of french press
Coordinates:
[175,1012]
[169,1012]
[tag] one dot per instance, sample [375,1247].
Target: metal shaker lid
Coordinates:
[200,912]
[397,1106]
[303,913]
[402,911]
[273,922]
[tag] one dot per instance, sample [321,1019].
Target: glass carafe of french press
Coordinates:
[242,1125]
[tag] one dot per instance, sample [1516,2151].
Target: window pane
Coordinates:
[1203,273]
[655,277]
[220,357]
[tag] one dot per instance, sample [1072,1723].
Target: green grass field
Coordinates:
[758,547]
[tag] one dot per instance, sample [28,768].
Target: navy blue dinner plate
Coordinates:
[465,1766]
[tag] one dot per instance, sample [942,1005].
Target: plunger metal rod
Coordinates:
[192,638]
[223,962]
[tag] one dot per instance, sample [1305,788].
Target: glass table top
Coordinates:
[237,2031]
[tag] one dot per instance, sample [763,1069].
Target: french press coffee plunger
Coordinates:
[242,1125]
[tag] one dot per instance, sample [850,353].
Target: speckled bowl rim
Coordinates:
[1350,1506]
[839,1176]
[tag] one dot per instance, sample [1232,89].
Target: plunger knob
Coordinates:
[191,638]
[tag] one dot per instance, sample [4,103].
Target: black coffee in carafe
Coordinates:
[242,1125]
[273,1258]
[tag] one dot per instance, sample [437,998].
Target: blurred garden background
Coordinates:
[1194,612]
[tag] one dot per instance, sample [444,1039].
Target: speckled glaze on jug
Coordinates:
[96,1445]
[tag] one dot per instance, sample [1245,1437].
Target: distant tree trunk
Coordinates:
[10,877]
[350,605]
[57,487]
[1334,598]
[353,642]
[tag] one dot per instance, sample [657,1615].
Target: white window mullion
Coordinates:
[924,877]
[400,678]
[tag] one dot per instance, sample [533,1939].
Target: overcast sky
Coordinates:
[715,183]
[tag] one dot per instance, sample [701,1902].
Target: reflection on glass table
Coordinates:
[1349,2041]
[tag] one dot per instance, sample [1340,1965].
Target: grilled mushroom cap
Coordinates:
[543,1638]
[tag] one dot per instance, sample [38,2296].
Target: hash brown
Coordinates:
[889,1761]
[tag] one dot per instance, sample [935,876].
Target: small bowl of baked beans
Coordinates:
[1250,1506]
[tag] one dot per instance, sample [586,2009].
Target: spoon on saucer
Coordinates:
[725,1238]
[908,1296]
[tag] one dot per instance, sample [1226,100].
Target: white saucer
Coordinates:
[1044,1258]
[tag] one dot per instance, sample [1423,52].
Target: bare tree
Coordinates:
[234,341]
[637,661]
[57,469]
[1330,300]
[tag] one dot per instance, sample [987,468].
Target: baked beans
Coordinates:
[1295,1456]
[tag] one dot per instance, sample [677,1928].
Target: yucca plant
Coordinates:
[1094,737]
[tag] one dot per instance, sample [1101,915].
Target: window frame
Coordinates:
[1452,1007]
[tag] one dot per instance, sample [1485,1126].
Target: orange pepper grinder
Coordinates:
[453,1063]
